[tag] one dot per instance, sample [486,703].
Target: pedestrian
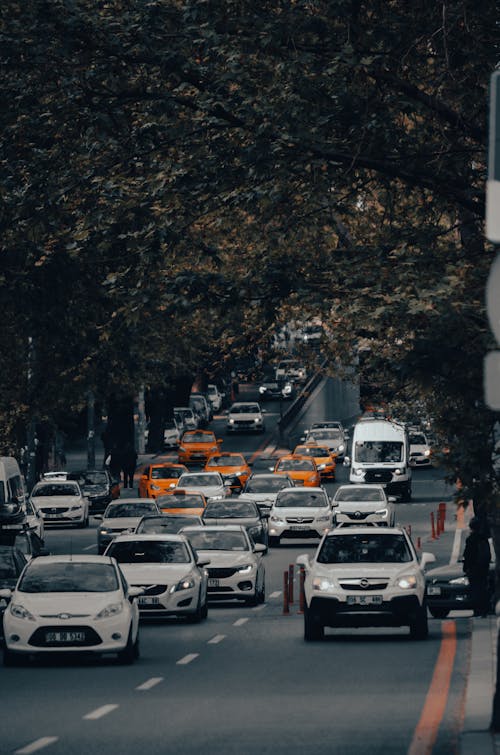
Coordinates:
[115,463]
[129,463]
[476,566]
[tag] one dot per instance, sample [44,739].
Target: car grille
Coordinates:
[55,510]
[300,519]
[364,585]
[220,589]
[38,638]
[222,572]
[378,475]
[153,589]
[356,515]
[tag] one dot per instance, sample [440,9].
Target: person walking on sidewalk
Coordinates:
[129,463]
[476,566]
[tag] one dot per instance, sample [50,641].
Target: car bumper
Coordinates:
[32,635]
[236,586]
[64,518]
[299,531]
[181,603]
[392,611]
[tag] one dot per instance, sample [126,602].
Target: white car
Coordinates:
[64,604]
[300,513]
[171,575]
[246,416]
[332,437]
[420,450]
[171,434]
[211,484]
[236,569]
[61,501]
[264,487]
[123,516]
[365,576]
[214,397]
[360,504]
[186,417]
[291,369]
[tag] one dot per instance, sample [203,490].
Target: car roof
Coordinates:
[296,490]
[143,536]
[362,486]
[215,527]
[78,558]
[361,530]
[125,501]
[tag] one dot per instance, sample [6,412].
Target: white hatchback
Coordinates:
[66,604]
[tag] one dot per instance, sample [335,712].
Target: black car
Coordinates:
[239,511]
[166,524]
[447,589]
[98,486]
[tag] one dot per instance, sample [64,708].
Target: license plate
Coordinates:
[433,590]
[52,516]
[298,527]
[213,583]
[148,601]
[364,600]
[65,636]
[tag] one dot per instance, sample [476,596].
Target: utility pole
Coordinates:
[140,424]
[90,430]
[31,430]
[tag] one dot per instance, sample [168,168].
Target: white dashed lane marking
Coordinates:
[90,547]
[215,640]
[100,712]
[240,622]
[275,594]
[38,744]
[187,659]
[150,683]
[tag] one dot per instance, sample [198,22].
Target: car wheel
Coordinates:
[439,613]
[10,659]
[262,593]
[406,495]
[419,628]
[273,541]
[198,615]
[131,651]
[313,628]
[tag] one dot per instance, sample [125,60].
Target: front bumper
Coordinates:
[299,530]
[157,601]
[229,583]
[394,611]
[63,517]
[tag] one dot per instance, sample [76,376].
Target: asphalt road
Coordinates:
[244,681]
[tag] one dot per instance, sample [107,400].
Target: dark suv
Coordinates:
[98,486]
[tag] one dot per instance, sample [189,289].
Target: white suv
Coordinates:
[360,504]
[300,513]
[365,576]
[245,416]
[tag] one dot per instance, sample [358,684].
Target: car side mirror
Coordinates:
[259,548]
[347,461]
[334,504]
[392,499]
[219,441]
[5,594]
[44,552]
[303,560]
[427,558]
[98,516]
[202,561]
[134,591]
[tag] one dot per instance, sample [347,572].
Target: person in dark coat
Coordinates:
[476,566]
[129,463]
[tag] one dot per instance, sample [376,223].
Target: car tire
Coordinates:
[273,541]
[314,631]
[419,627]
[199,614]
[262,594]
[406,495]
[131,650]
[439,613]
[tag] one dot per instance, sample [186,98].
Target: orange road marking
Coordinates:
[432,714]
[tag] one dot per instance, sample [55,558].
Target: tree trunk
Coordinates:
[495,533]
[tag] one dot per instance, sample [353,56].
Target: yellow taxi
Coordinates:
[197,446]
[180,501]
[325,461]
[302,470]
[229,465]
[157,479]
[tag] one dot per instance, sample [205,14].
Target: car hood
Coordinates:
[358,571]
[363,506]
[75,603]
[121,522]
[56,500]
[267,498]
[150,574]
[227,558]
[304,511]
[443,572]
[245,521]
[210,490]
[245,416]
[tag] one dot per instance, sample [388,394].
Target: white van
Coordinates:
[381,454]
[12,490]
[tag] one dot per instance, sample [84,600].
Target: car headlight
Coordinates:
[358,472]
[257,420]
[322,584]
[231,421]
[113,609]
[218,497]
[323,519]
[155,487]
[311,478]
[277,519]
[382,512]
[185,584]
[341,447]
[287,390]
[399,471]
[408,582]
[459,581]
[181,448]
[262,389]
[427,452]
[105,532]
[76,507]
[20,612]
[321,466]
[245,569]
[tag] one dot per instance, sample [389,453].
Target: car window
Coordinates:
[183,501]
[199,480]
[289,498]
[224,510]
[359,494]
[198,438]
[221,541]
[68,576]
[266,485]
[378,451]
[165,473]
[55,488]
[149,552]
[161,525]
[296,465]
[129,509]
[372,548]
[96,478]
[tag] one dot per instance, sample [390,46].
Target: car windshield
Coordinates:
[296,465]
[293,499]
[95,478]
[226,461]
[266,485]
[8,568]
[417,439]
[165,473]
[199,438]
[314,451]
[245,409]
[330,433]
[350,493]
[68,576]
[378,451]
[164,524]
[222,510]
[129,509]
[200,480]
[55,488]
[181,501]
[149,552]
[374,548]
[218,541]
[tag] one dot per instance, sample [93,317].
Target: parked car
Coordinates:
[26,541]
[120,517]
[362,577]
[171,575]
[12,563]
[245,416]
[172,432]
[61,502]
[186,418]
[199,403]
[239,511]
[92,609]
[236,570]
[359,504]
[12,491]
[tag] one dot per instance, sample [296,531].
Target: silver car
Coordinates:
[211,484]
[363,504]
[122,516]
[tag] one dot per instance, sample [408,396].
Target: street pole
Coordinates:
[90,430]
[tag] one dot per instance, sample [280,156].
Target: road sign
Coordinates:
[493,184]
[492,380]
